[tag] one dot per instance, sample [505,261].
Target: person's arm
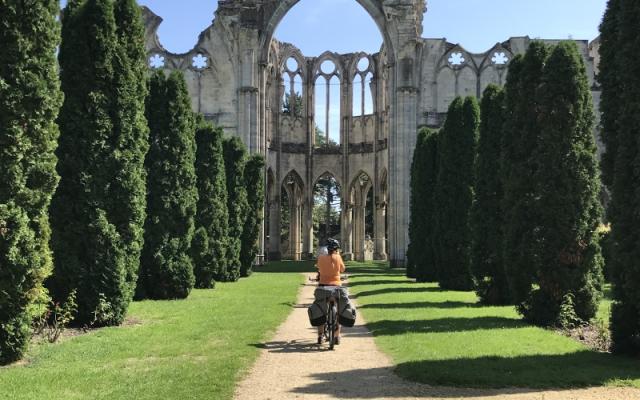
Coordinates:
[342,267]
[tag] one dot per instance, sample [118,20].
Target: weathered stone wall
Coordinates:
[235,78]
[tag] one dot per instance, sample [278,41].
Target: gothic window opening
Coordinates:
[327,94]
[292,103]
[326,209]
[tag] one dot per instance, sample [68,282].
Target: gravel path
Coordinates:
[293,366]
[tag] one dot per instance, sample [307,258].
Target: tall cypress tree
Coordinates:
[98,210]
[30,99]
[454,194]
[610,80]
[235,158]
[254,185]
[166,266]
[625,208]
[517,169]
[486,214]
[209,245]
[567,186]
[424,174]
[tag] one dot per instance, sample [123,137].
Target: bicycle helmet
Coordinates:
[332,244]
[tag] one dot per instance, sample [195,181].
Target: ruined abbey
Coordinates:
[240,77]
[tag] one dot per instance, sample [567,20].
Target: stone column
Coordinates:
[275,252]
[294,228]
[347,230]
[307,230]
[358,229]
[380,251]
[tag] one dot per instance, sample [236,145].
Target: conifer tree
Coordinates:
[567,186]
[98,210]
[610,80]
[254,186]
[486,215]
[454,194]
[30,99]
[235,158]
[166,265]
[424,174]
[210,239]
[520,138]
[625,208]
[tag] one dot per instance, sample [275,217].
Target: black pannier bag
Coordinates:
[317,315]
[347,315]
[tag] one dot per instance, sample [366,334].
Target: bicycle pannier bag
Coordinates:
[317,315]
[347,316]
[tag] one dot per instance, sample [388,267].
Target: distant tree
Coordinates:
[421,263]
[30,99]
[167,268]
[254,185]
[235,158]
[209,246]
[326,208]
[521,136]
[454,194]
[486,215]
[293,108]
[623,146]
[98,211]
[568,273]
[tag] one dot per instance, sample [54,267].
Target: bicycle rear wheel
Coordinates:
[332,325]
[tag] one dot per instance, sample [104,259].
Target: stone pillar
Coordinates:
[307,230]
[380,251]
[294,228]
[347,230]
[275,252]
[359,229]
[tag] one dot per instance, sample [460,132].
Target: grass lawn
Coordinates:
[194,348]
[446,338]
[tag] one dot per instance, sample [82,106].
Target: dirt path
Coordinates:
[292,366]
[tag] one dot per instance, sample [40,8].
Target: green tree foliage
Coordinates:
[166,266]
[568,273]
[326,209]
[520,138]
[98,211]
[625,207]
[209,246]
[612,85]
[421,263]
[254,186]
[486,215]
[454,194]
[235,158]
[30,99]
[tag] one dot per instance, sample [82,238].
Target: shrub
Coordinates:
[454,194]
[98,211]
[254,185]
[209,245]
[486,214]
[30,99]
[421,262]
[235,158]
[166,267]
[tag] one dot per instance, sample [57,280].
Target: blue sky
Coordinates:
[315,26]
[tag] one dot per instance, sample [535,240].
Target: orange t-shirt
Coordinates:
[330,267]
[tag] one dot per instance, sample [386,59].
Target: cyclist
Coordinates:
[329,268]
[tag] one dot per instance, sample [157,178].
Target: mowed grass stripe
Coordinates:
[194,348]
[446,338]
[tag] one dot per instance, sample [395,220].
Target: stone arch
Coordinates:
[329,56]
[334,175]
[373,7]
[293,178]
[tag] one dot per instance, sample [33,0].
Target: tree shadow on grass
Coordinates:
[378,282]
[579,369]
[399,290]
[491,376]
[286,266]
[424,304]
[399,327]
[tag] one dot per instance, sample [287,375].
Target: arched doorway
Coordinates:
[291,212]
[327,209]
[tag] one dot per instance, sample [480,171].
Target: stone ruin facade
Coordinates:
[238,76]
